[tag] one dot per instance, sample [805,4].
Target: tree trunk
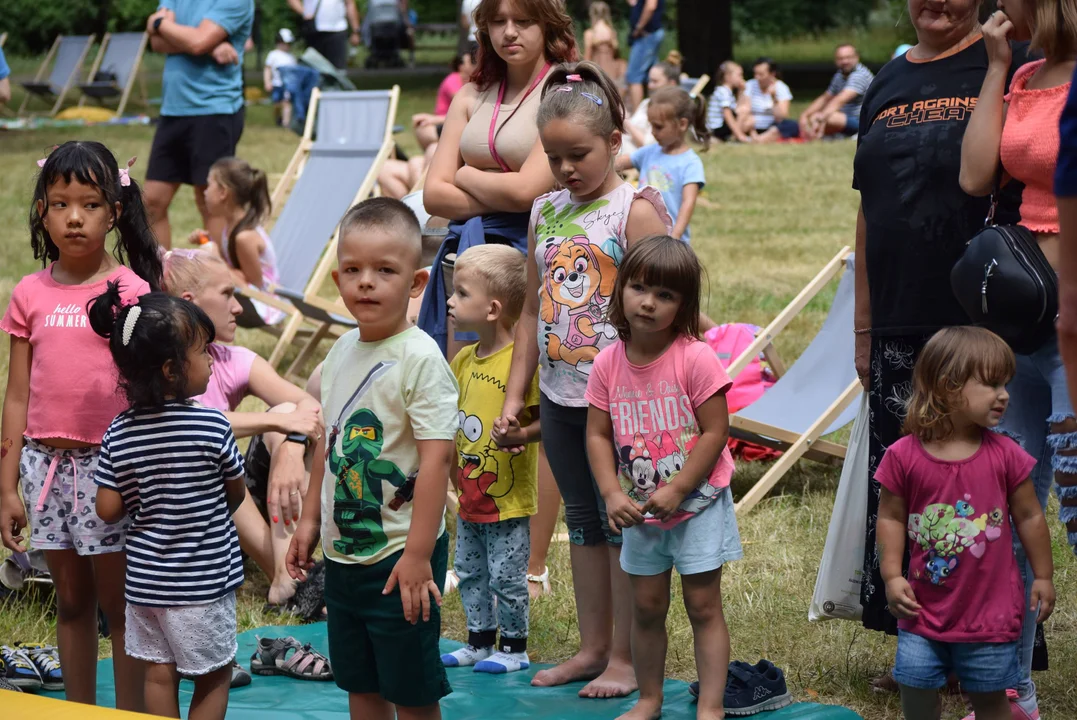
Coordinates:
[101,23]
[705,35]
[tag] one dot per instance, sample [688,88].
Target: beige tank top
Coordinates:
[515,138]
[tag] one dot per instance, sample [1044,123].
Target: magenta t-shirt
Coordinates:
[962,568]
[447,91]
[654,421]
[231,377]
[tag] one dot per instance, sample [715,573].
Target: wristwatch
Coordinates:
[157,24]
[299,438]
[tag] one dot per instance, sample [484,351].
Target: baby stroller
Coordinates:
[385,32]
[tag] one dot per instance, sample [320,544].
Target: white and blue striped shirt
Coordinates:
[171,464]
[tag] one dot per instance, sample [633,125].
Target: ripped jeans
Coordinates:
[1039,403]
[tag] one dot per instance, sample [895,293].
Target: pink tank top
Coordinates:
[1030,142]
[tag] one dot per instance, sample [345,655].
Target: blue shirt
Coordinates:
[1066,170]
[669,174]
[4,69]
[170,464]
[197,85]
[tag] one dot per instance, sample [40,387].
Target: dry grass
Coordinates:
[771,218]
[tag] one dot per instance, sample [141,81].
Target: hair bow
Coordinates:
[129,302]
[125,174]
[41,162]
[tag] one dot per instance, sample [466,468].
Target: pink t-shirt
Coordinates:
[74,390]
[654,421]
[231,377]
[447,91]
[962,568]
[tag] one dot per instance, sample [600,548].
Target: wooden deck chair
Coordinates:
[3,39]
[694,86]
[69,52]
[347,138]
[815,396]
[115,70]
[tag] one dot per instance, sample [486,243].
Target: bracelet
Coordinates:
[862,331]
[299,438]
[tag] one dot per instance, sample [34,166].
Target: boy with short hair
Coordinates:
[390,402]
[280,56]
[497,464]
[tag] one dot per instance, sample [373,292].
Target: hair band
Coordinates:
[129,323]
[125,174]
[573,78]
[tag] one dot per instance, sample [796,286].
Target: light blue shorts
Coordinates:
[700,544]
[642,56]
[981,667]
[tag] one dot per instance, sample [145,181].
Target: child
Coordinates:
[498,489]
[184,562]
[391,402]
[577,237]
[723,119]
[669,164]
[278,57]
[663,467]
[61,397]
[238,194]
[953,485]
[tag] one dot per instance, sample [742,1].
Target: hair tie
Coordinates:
[573,78]
[129,323]
[41,162]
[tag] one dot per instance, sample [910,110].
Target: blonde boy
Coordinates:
[390,405]
[497,466]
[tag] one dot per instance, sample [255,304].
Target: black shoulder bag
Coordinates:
[1005,284]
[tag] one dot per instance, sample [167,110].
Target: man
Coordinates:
[202,110]
[330,26]
[645,36]
[837,111]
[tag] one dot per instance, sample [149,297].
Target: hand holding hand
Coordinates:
[509,434]
[622,512]
[665,501]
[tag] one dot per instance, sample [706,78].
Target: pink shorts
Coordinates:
[60,495]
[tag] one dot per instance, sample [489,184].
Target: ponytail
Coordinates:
[582,90]
[137,246]
[250,190]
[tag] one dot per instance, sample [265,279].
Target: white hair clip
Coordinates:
[129,324]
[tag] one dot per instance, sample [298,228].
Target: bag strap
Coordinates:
[996,190]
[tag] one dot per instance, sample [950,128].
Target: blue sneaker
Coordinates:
[731,681]
[46,658]
[755,688]
[19,669]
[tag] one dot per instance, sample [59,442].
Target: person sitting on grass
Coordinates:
[278,57]
[378,485]
[769,98]
[837,111]
[728,113]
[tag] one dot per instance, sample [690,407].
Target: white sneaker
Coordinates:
[466,656]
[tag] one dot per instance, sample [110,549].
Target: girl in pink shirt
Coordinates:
[657,426]
[61,396]
[953,486]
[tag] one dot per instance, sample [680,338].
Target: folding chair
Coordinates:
[815,396]
[70,52]
[331,170]
[115,70]
[694,86]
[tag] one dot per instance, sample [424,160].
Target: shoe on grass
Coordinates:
[46,658]
[19,669]
[732,682]
[756,688]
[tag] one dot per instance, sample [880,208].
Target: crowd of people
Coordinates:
[568,315]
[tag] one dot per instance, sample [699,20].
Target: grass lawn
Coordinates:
[769,219]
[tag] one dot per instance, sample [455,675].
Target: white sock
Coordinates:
[503,662]
[465,656]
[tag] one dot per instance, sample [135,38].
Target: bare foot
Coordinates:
[281,593]
[702,714]
[617,680]
[579,667]
[644,709]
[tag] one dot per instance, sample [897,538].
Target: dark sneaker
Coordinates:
[19,669]
[731,680]
[46,658]
[755,689]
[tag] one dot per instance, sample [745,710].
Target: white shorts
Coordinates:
[198,639]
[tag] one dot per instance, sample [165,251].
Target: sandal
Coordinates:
[286,656]
[543,580]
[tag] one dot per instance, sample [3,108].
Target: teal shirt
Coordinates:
[197,85]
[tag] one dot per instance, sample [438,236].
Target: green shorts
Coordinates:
[372,648]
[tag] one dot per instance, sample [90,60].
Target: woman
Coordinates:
[913,223]
[600,42]
[637,126]
[769,98]
[1018,133]
[487,193]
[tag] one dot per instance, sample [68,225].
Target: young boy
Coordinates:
[497,466]
[279,57]
[389,400]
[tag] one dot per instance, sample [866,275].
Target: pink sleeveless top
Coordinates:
[1030,144]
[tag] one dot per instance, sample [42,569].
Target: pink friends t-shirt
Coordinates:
[654,421]
[447,91]
[961,567]
[74,385]
[231,377]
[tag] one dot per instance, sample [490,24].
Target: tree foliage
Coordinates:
[783,18]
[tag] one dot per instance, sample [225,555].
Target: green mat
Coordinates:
[508,697]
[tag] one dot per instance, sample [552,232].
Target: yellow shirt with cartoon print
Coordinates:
[494,485]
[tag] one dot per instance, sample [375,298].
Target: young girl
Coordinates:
[238,194]
[172,467]
[600,42]
[727,116]
[669,164]
[667,492]
[953,485]
[61,395]
[576,239]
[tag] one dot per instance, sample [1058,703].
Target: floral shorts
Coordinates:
[198,639]
[60,496]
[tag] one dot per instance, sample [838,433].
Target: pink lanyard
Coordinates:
[497,109]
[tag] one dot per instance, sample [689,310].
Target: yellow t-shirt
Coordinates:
[379,398]
[494,485]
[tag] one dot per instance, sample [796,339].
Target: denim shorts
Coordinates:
[697,545]
[643,55]
[981,667]
[279,94]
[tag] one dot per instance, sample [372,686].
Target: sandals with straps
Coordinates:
[286,656]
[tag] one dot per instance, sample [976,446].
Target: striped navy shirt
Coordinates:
[170,464]
[858,80]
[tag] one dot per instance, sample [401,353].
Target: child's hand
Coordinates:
[198,237]
[665,501]
[13,521]
[901,600]
[1043,597]
[508,434]
[622,512]
[300,556]
[416,581]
